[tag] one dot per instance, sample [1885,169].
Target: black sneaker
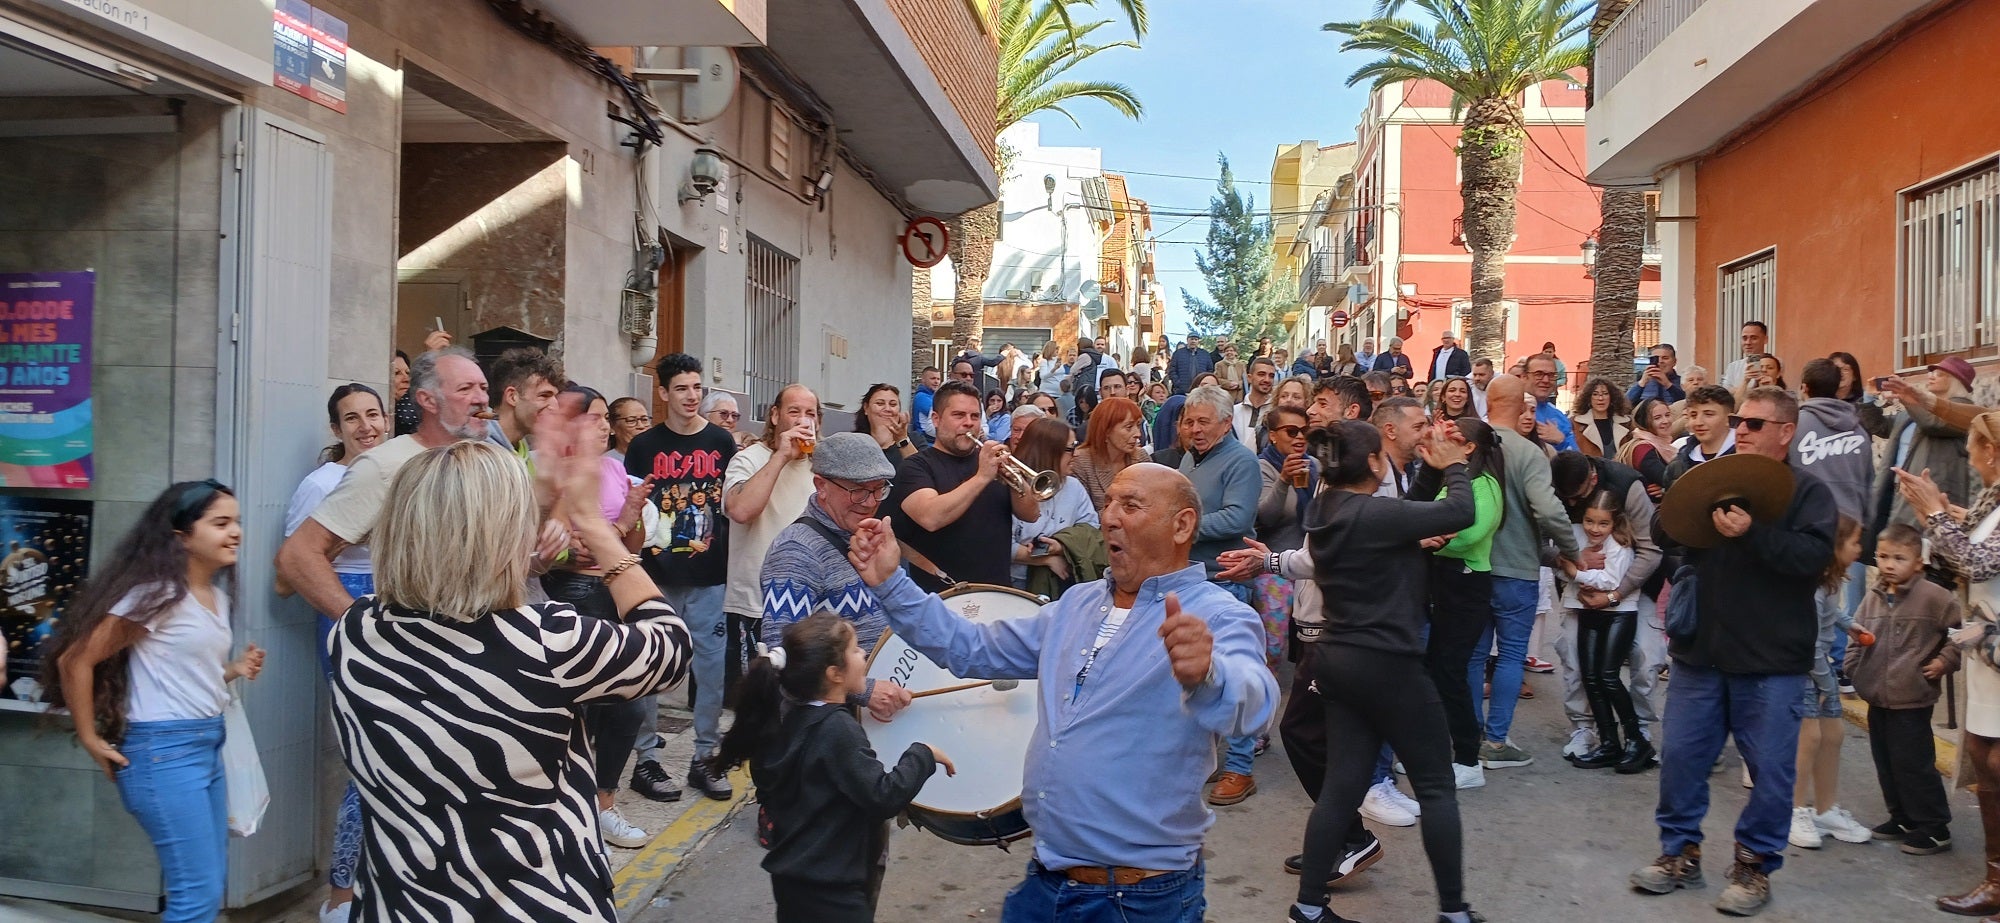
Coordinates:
[1356,859]
[1890,830]
[701,780]
[1470,915]
[650,779]
[1924,844]
[1295,915]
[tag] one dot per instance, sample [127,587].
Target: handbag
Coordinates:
[242,772]
[1681,605]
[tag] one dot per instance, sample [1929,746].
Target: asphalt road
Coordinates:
[1545,842]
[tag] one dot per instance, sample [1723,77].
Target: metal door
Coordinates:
[277,298]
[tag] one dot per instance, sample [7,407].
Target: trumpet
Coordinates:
[1026,480]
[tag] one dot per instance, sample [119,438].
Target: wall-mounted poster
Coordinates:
[309,53]
[45,431]
[44,553]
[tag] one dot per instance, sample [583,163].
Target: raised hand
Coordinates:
[873,551]
[1190,648]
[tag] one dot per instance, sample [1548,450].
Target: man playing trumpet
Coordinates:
[951,505]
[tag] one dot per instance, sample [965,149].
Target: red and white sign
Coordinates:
[1339,319]
[925,242]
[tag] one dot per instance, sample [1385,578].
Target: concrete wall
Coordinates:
[1801,183]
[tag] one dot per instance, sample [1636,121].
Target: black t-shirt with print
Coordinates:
[690,544]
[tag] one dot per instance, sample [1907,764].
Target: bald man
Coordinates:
[1140,671]
[1532,514]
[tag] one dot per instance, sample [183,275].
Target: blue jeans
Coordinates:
[1703,705]
[174,787]
[1514,602]
[1050,897]
[347,824]
[700,608]
[1242,751]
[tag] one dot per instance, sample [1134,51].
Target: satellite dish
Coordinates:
[709,94]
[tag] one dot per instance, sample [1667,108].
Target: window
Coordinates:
[771,317]
[1949,256]
[1749,292]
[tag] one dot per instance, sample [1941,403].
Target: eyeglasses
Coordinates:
[1377,395]
[642,418]
[863,493]
[1291,432]
[1541,374]
[1756,424]
[725,414]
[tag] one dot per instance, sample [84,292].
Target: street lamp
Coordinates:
[1589,257]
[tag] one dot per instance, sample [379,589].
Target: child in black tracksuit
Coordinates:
[826,794]
[1898,677]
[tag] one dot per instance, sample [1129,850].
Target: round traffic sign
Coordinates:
[925,242]
[1339,319]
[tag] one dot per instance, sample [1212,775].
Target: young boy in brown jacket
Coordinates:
[1898,677]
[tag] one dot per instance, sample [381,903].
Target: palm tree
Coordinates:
[1488,52]
[1621,242]
[1040,41]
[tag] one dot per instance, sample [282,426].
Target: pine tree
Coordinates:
[1236,264]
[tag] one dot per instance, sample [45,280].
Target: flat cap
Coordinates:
[851,457]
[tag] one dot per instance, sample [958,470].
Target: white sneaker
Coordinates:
[329,914]
[1382,807]
[1805,833]
[618,831]
[1842,825]
[1747,781]
[1405,802]
[1473,776]
[1581,741]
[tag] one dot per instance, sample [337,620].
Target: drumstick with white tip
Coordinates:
[999,685]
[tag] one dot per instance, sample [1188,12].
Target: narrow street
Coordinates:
[1545,842]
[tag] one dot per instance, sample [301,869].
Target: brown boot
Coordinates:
[1984,898]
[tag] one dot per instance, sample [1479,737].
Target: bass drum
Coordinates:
[985,731]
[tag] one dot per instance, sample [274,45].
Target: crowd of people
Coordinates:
[509,567]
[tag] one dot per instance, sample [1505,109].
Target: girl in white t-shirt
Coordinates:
[1604,636]
[358,420]
[142,662]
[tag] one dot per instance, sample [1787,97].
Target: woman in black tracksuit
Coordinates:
[1370,666]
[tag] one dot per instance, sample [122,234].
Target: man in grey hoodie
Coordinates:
[1831,442]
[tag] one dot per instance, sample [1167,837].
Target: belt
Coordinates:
[1103,875]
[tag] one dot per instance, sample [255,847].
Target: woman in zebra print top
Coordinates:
[459,708]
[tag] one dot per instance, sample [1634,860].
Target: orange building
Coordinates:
[1827,168]
[1402,253]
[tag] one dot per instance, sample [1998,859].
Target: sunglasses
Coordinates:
[1291,432]
[1755,424]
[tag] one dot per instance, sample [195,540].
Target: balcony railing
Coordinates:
[1642,27]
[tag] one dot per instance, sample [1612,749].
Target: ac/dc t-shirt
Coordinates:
[689,545]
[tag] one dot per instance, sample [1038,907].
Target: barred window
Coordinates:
[1949,268]
[771,315]
[1749,292]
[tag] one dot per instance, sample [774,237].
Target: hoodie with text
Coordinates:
[1832,445]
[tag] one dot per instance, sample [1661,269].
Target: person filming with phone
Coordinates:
[1660,382]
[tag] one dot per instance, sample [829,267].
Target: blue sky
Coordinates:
[1238,77]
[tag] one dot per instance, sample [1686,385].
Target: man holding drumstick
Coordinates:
[1146,667]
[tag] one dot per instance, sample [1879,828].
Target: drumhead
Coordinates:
[986,733]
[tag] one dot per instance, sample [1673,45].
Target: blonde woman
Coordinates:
[460,708]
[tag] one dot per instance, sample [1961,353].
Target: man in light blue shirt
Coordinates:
[1551,424]
[1141,671]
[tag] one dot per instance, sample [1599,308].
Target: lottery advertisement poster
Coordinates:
[45,417]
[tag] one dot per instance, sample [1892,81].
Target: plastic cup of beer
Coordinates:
[804,445]
[1300,476]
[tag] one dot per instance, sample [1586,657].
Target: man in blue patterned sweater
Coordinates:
[807,570]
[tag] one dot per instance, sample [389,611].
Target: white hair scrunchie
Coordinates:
[776,655]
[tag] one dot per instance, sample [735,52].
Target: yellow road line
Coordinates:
[1856,712]
[636,883]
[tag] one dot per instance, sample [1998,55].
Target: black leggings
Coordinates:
[612,727]
[1461,611]
[1603,642]
[1372,697]
[1303,730]
[801,901]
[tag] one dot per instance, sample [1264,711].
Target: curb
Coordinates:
[641,878]
[1856,713]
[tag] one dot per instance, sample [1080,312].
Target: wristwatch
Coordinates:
[1614,597]
[900,443]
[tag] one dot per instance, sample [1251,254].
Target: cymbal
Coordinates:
[1758,484]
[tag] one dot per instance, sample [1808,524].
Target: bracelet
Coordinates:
[620,567]
[1271,563]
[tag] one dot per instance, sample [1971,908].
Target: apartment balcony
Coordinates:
[1111,282]
[1320,283]
[680,23]
[1676,77]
